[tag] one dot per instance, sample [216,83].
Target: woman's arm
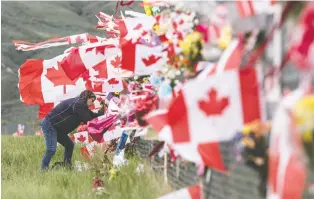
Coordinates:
[83,113]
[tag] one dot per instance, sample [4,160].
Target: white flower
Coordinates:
[178,72]
[139,169]
[164,70]
[171,75]
[119,160]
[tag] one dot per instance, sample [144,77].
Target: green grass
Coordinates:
[21,176]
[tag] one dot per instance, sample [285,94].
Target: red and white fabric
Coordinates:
[287,170]
[114,63]
[107,23]
[200,66]
[302,45]
[230,59]
[133,28]
[73,39]
[90,58]
[44,81]
[248,8]
[192,192]
[89,150]
[81,137]
[196,120]
[113,132]
[142,59]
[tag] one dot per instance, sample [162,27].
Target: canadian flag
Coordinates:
[84,58]
[81,137]
[113,133]
[82,38]
[59,41]
[131,29]
[89,150]
[193,192]
[287,170]
[112,85]
[44,81]
[142,59]
[202,65]
[248,8]
[208,111]
[230,59]
[302,45]
[114,63]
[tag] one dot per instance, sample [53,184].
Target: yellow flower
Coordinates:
[225,38]
[113,174]
[304,113]
[308,136]
[188,45]
[246,130]
[185,46]
[147,9]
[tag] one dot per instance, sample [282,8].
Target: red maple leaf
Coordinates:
[85,75]
[88,85]
[79,39]
[138,26]
[92,39]
[113,81]
[212,105]
[116,62]
[144,33]
[59,77]
[89,49]
[99,99]
[102,69]
[97,86]
[100,49]
[152,59]
[81,138]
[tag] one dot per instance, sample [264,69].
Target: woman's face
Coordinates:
[90,101]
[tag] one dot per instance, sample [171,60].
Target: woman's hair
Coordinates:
[87,94]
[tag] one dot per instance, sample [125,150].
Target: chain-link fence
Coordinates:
[241,182]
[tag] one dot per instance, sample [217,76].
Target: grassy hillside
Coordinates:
[21,176]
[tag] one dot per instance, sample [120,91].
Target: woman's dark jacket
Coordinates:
[68,115]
